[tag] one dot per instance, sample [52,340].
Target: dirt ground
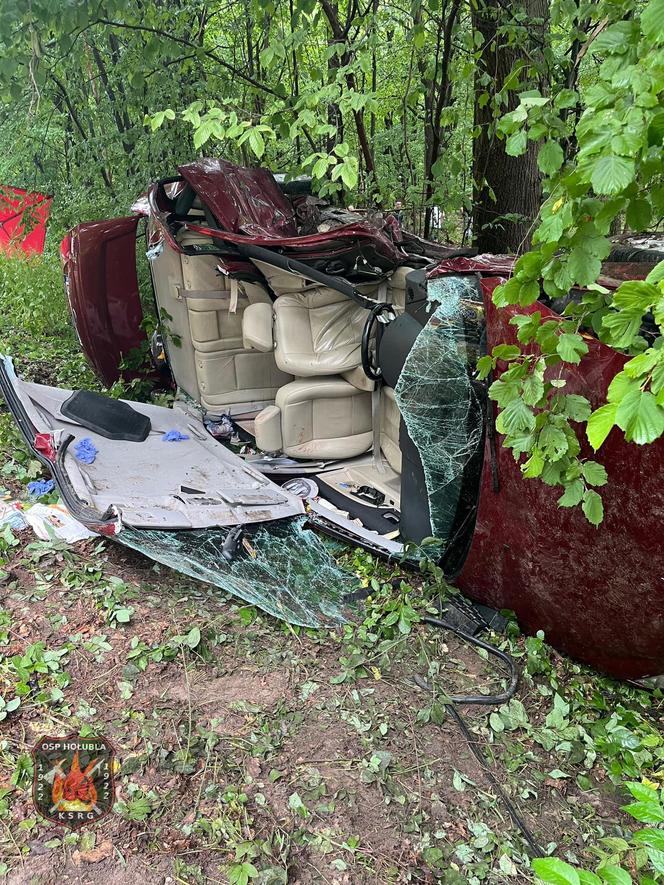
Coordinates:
[252,752]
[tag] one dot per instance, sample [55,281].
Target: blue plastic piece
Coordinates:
[39,487]
[173,436]
[85,450]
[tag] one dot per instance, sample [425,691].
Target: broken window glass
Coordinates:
[439,403]
[284,568]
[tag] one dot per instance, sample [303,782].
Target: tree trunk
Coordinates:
[503,185]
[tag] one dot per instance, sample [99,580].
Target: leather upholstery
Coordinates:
[396,288]
[257,327]
[267,429]
[317,332]
[210,361]
[390,419]
[323,418]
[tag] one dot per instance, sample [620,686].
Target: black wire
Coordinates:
[485,700]
[450,701]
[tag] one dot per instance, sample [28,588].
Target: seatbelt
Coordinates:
[375,421]
[375,402]
[232,307]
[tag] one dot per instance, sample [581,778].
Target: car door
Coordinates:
[101,284]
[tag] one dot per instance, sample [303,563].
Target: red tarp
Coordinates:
[23,217]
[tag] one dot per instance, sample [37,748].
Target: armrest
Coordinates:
[257,327]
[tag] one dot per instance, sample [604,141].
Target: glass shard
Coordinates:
[440,404]
[284,568]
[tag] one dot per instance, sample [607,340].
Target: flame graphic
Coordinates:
[76,790]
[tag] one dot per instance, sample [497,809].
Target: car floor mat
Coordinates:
[106,416]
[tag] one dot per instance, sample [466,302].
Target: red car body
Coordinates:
[598,594]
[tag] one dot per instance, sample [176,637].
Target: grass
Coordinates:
[254,752]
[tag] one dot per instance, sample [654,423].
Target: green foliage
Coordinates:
[617,168]
[643,851]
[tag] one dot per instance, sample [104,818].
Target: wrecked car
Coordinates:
[325,366]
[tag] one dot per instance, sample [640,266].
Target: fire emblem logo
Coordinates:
[73,783]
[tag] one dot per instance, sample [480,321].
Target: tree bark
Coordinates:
[503,185]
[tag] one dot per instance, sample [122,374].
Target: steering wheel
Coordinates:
[371,370]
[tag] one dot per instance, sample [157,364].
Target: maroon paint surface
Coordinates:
[598,594]
[243,200]
[99,260]
[315,245]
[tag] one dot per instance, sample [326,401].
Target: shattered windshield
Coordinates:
[284,568]
[441,407]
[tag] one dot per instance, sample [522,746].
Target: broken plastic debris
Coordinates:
[39,487]
[221,429]
[85,450]
[173,436]
[11,515]
[53,521]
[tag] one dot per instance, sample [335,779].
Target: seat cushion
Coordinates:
[317,332]
[324,418]
[390,419]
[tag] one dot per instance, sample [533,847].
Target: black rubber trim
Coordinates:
[372,518]
[315,521]
[371,371]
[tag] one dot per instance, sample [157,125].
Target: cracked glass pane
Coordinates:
[285,569]
[441,406]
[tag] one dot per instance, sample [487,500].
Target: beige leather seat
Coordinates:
[316,335]
[322,417]
[317,332]
[390,419]
[202,314]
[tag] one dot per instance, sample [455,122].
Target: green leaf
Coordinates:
[652,18]
[533,389]
[516,144]
[650,837]
[639,214]
[640,417]
[554,871]
[623,326]
[506,352]
[613,875]
[484,366]
[636,295]
[571,347]
[553,442]
[647,812]
[592,507]
[193,637]
[572,495]
[594,473]
[612,174]
[123,615]
[615,38]
[514,417]
[503,392]
[656,275]
[534,465]
[584,266]
[550,157]
[587,878]
[577,408]
[256,142]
